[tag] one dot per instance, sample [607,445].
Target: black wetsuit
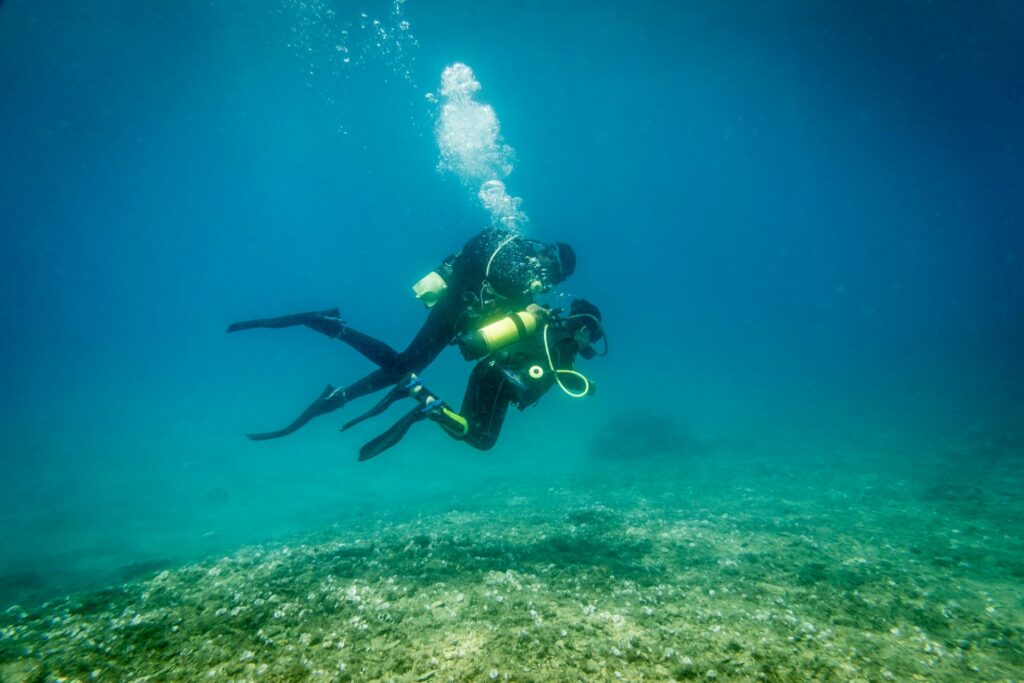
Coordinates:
[504,379]
[518,374]
[489,278]
[465,304]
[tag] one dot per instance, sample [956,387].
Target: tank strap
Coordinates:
[520,325]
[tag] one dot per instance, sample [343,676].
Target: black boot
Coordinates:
[331,399]
[325,322]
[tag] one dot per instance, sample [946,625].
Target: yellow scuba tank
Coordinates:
[501,333]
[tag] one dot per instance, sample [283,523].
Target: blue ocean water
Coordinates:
[801,220]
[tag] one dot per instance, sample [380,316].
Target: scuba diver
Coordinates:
[521,357]
[497,272]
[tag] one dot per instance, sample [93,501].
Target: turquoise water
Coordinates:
[802,225]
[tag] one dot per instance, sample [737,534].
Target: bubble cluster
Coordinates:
[469,140]
[458,82]
[332,44]
[503,208]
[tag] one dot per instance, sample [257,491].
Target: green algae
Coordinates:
[697,575]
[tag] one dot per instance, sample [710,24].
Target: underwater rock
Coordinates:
[134,570]
[967,500]
[982,449]
[643,435]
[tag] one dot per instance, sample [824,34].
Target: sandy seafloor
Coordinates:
[738,567]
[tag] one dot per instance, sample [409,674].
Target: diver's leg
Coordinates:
[488,395]
[376,351]
[451,422]
[329,324]
[437,332]
[429,406]
[329,400]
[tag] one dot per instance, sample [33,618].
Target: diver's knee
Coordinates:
[484,443]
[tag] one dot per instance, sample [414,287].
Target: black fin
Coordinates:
[310,319]
[392,436]
[399,391]
[330,399]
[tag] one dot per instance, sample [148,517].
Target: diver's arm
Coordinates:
[489,393]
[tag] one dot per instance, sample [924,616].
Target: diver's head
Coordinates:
[566,260]
[558,261]
[585,321]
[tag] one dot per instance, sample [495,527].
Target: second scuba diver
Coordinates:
[497,272]
[524,355]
